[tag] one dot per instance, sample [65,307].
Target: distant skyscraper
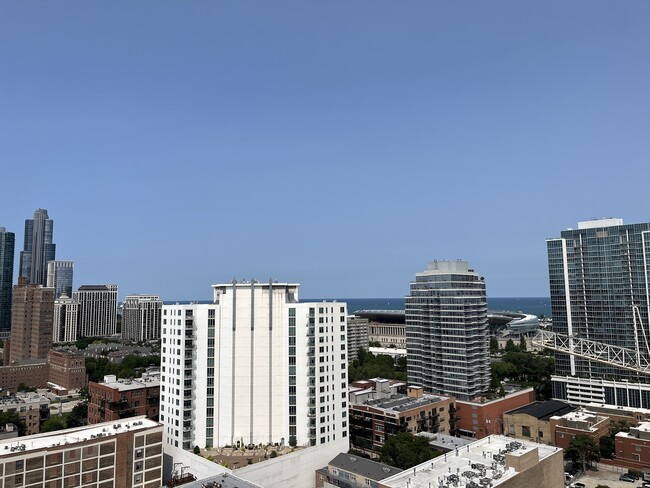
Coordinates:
[38,248]
[66,317]
[31,321]
[447,331]
[7,244]
[97,310]
[141,317]
[599,278]
[59,277]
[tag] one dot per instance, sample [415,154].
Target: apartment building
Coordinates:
[115,399]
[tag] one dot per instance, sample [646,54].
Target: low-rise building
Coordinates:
[496,461]
[32,408]
[115,399]
[580,422]
[478,419]
[125,454]
[347,470]
[633,447]
[533,421]
[378,411]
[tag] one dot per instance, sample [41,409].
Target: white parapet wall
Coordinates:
[294,470]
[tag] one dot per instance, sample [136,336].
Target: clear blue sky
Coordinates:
[337,144]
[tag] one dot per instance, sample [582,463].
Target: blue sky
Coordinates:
[339,144]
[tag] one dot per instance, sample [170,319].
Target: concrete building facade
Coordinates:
[141,317]
[123,454]
[97,310]
[32,408]
[447,331]
[256,366]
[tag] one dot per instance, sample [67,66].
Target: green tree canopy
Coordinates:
[13,418]
[53,423]
[583,450]
[405,450]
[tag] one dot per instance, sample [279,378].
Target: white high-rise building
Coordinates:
[66,315]
[141,316]
[97,310]
[254,367]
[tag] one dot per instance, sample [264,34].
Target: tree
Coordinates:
[510,346]
[78,416]
[53,423]
[197,450]
[583,450]
[522,344]
[405,450]
[13,418]
[494,345]
[607,447]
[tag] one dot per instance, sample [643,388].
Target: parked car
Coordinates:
[626,477]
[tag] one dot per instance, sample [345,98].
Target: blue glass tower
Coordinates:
[7,244]
[38,248]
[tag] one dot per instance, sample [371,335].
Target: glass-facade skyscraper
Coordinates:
[38,248]
[59,277]
[447,331]
[599,280]
[7,244]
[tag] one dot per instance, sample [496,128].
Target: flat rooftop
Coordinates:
[223,480]
[401,403]
[480,460]
[146,381]
[48,440]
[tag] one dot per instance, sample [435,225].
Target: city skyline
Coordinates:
[162,140]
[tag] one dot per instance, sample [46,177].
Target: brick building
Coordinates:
[533,421]
[115,399]
[125,454]
[379,411]
[480,419]
[580,422]
[67,370]
[633,447]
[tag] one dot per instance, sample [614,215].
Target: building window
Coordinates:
[525,431]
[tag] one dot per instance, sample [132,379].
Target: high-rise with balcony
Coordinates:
[7,244]
[256,366]
[447,331]
[599,283]
[141,315]
[38,248]
[59,277]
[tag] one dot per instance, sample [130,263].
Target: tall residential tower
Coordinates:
[7,244]
[255,367]
[599,280]
[59,277]
[141,315]
[38,248]
[447,331]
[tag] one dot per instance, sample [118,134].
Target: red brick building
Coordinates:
[633,447]
[480,419]
[67,370]
[116,399]
[576,423]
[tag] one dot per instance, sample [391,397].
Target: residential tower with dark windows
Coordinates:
[38,248]
[7,245]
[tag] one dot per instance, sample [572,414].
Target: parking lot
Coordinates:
[606,475]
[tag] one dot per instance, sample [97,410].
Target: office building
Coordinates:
[114,399]
[496,461]
[66,317]
[141,316]
[125,454]
[31,321]
[256,366]
[38,248]
[7,244]
[598,275]
[97,310]
[59,277]
[447,331]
